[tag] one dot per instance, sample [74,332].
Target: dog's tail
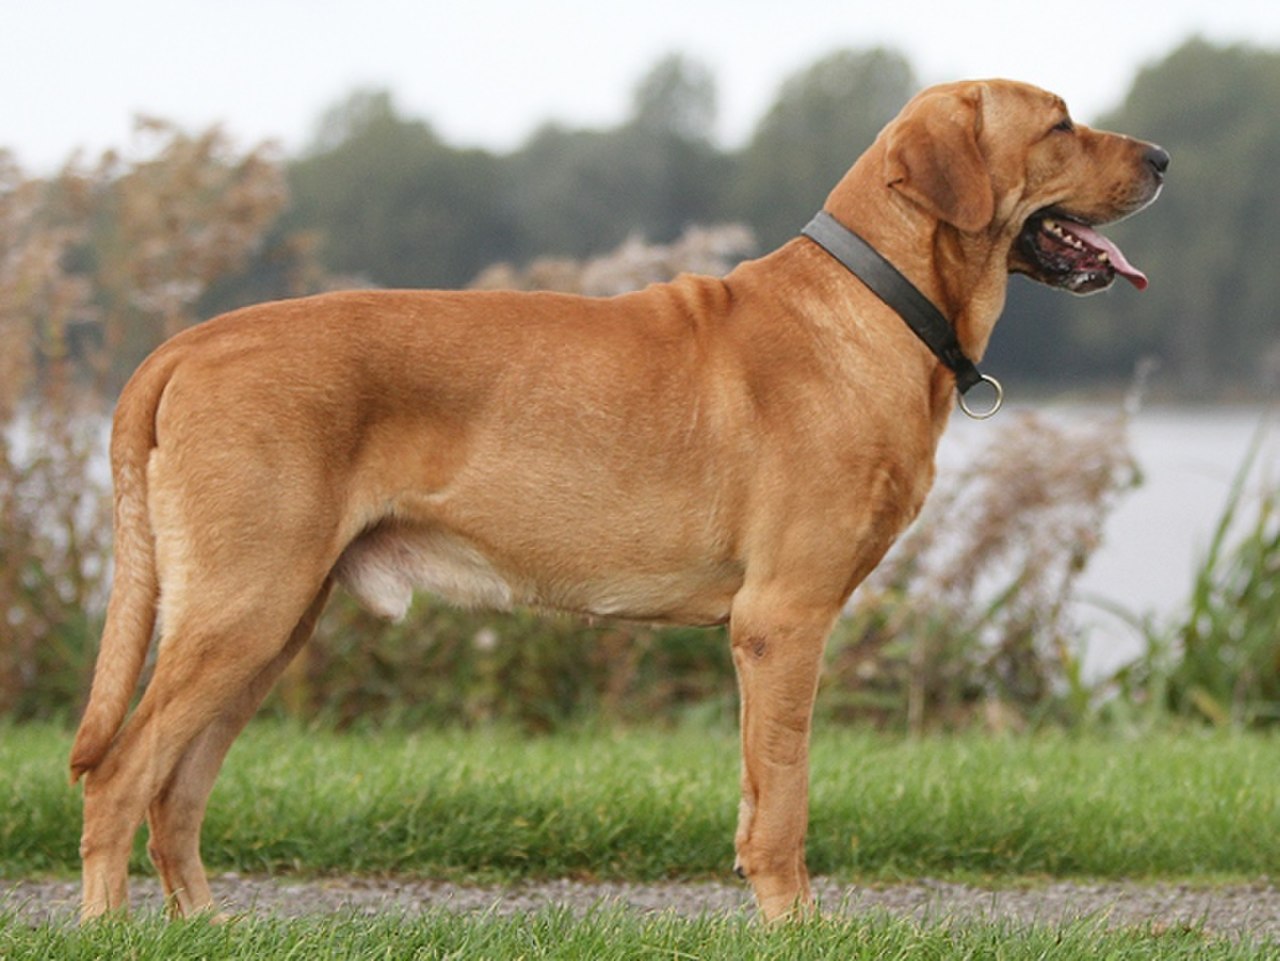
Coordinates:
[131,611]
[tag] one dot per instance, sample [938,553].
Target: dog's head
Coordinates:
[1005,160]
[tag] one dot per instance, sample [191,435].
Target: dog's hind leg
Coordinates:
[215,663]
[177,811]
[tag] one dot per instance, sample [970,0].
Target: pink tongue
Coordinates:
[1118,259]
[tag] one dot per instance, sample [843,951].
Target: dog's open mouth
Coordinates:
[1063,252]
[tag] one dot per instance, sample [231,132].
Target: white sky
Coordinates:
[487,72]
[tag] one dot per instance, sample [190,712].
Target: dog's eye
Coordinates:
[1064,126]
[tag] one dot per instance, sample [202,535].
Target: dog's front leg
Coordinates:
[778,657]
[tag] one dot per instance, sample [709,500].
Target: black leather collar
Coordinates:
[887,283]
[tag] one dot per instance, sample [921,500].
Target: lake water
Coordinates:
[1157,535]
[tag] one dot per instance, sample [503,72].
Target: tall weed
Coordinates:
[1220,660]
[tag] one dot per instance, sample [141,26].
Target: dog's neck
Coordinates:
[917,311]
[965,277]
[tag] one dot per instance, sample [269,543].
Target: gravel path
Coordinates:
[1234,910]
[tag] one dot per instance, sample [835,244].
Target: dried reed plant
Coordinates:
[968,617]
[98,264]
[631,266]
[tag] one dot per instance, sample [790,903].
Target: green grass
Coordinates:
[603,935]
[652,804]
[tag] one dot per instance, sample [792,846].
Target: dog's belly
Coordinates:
[383,567]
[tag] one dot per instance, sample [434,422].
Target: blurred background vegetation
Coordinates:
[103,260]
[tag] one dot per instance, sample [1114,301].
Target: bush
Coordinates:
[538,672]
[97,265]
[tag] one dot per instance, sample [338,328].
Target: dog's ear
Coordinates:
[932,157]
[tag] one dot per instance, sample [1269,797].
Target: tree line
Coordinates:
[396,205]
[401,207]
[379,198]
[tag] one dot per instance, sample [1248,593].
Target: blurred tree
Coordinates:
[166,226]
[1037,341]
[823,118]
[579,192]
[574,191]
[1209,243]
[677,97]
[394,205]
[39,297]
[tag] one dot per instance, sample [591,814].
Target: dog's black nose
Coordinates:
[1158,157]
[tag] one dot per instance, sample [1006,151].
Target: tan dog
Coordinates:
[738,450]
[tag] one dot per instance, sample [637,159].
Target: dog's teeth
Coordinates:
[1055,229]
[1104,257]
